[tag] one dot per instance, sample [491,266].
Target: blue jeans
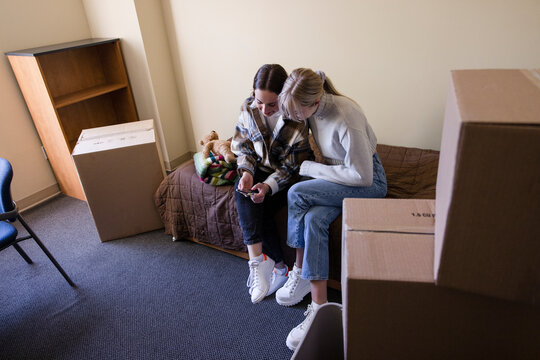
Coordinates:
[257,220]
[313,205]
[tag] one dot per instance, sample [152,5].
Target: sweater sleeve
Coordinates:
[357,167]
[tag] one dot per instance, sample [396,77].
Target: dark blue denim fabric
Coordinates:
[257,220]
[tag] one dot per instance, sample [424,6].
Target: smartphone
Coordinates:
[246,193]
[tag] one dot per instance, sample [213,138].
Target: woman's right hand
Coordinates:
[246,181]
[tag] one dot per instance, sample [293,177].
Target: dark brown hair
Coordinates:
[270,77]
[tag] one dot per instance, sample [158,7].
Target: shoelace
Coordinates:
[292,281]
[308,314]
[249,282]
[253,279]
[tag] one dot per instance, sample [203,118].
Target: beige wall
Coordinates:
[140,25]
[25,24]
[393,57]
[160,64]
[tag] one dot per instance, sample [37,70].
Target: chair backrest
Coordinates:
[6,175]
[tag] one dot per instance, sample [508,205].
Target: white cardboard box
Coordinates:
[120,168]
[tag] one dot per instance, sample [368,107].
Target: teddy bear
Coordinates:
[212,143]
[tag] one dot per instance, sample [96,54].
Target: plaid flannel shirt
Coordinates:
[279,153]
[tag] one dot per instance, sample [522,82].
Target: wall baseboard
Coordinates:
[37,198]
[53,190]
[171,165]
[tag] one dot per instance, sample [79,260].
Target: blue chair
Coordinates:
[9,214]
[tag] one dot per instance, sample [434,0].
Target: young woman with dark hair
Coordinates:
[270,150]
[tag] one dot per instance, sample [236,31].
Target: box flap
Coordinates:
[498,96]
[389,215]
[115,136]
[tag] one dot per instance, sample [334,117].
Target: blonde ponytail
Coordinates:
[328,86]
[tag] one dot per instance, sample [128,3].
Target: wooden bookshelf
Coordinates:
[70,87]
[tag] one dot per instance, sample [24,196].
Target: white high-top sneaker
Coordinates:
[294,289]
[298,333]
[260,273]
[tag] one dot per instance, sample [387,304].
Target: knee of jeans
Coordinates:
[295,198]
[291,193]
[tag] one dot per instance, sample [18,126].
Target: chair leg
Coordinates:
[22,253]
[49,255]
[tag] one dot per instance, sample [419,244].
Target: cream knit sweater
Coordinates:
[346,141]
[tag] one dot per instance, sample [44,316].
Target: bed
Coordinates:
[193,210]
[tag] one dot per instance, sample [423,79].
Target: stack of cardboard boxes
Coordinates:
[458,277]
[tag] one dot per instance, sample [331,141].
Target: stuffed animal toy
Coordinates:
[212,143]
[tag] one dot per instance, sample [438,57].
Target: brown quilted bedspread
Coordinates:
[189,208]
[411,173]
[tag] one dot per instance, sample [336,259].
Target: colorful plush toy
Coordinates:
[212,143]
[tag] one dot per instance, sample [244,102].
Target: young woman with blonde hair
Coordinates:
[352,169]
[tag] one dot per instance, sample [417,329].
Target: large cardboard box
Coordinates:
[487,235]
[392,308]
[120,168]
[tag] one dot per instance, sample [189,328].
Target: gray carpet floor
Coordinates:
[142,297]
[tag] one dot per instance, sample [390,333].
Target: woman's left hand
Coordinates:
[262,189]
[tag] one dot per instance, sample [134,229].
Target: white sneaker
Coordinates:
[278,279]
[298,333]
[260,273]
[294,289]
